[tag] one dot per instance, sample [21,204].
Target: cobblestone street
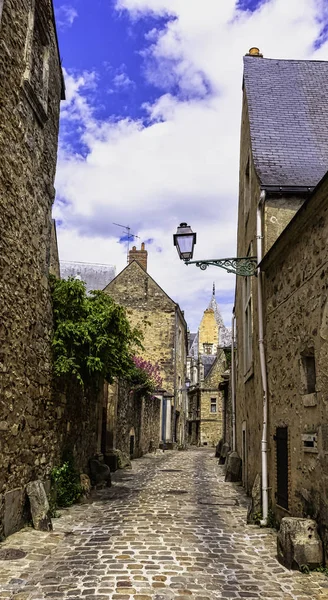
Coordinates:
[170,528]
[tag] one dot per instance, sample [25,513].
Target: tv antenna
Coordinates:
[130,236]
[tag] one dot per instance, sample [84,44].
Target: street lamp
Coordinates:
[185,239]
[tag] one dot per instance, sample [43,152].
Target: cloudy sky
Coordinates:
[150,128]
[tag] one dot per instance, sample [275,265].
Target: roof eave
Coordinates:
[287,189]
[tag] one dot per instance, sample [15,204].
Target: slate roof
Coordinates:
[288,114]
[191,340]
[208,361]
[96,276]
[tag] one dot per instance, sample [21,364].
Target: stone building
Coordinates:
[296,298]
[206,363]
[283,156]
[164,330]
[31,87]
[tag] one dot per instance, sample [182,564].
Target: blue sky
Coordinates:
[150,128]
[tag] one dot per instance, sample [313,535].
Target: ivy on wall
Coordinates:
[92,335]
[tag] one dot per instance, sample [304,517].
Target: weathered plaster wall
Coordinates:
[278,213]
[28,148]
[248,383]
[297,307]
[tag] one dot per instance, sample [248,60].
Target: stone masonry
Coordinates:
[296,271]
[31,86]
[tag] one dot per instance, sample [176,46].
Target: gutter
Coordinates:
[264,441]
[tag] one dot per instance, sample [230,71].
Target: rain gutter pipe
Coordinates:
[264,442]
[233,388]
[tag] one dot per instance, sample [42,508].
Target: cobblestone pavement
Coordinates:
[169,529]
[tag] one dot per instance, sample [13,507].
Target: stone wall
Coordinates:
[78,420]
[28,148]
[296,272]
[133,415]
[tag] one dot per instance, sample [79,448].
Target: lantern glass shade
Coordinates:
[184,240]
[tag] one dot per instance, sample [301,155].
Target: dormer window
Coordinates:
[208,348]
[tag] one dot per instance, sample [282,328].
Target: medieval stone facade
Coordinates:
[296,295]
[206,363]
[31,86]
[164,331]
[279,169]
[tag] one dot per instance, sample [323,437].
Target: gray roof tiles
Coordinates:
[96,276]
[288,114]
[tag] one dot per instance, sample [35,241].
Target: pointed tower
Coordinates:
[212,333]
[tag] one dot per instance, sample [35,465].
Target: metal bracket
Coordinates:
[245,266]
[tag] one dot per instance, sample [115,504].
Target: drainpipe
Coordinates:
[264,442]
[175,374]
[233,388]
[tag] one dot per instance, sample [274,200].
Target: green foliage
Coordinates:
[272,521]
[92,335]
[67,485]
[322,569]
[305,569]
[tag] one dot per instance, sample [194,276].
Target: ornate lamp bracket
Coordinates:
[244,266]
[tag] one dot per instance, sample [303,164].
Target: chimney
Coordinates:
[139,255]
[254,52]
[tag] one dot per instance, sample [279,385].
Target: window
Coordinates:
[247,190]
[308,372]
[281,439]
[180,342]
[36,76]
[248,324]
[213,405]
[208,348]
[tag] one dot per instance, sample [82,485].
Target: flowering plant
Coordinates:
[146,375]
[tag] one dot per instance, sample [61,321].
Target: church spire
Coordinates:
[213,289]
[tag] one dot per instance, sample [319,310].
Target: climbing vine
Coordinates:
[92,335]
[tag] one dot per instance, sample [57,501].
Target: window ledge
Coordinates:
[310,399]
[35,103]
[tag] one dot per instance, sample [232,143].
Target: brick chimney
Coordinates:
[140,256]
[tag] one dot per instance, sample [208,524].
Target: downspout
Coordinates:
[264,442]
[233,387]
[175,374]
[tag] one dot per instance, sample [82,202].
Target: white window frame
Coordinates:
[216,405]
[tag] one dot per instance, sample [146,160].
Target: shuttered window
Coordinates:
[281,438]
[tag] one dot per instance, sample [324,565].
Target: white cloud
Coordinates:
[182,166]
[122,82]
[65,16]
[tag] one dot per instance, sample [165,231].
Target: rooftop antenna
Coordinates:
[130,236]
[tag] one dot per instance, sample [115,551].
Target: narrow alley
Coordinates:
[170,528]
